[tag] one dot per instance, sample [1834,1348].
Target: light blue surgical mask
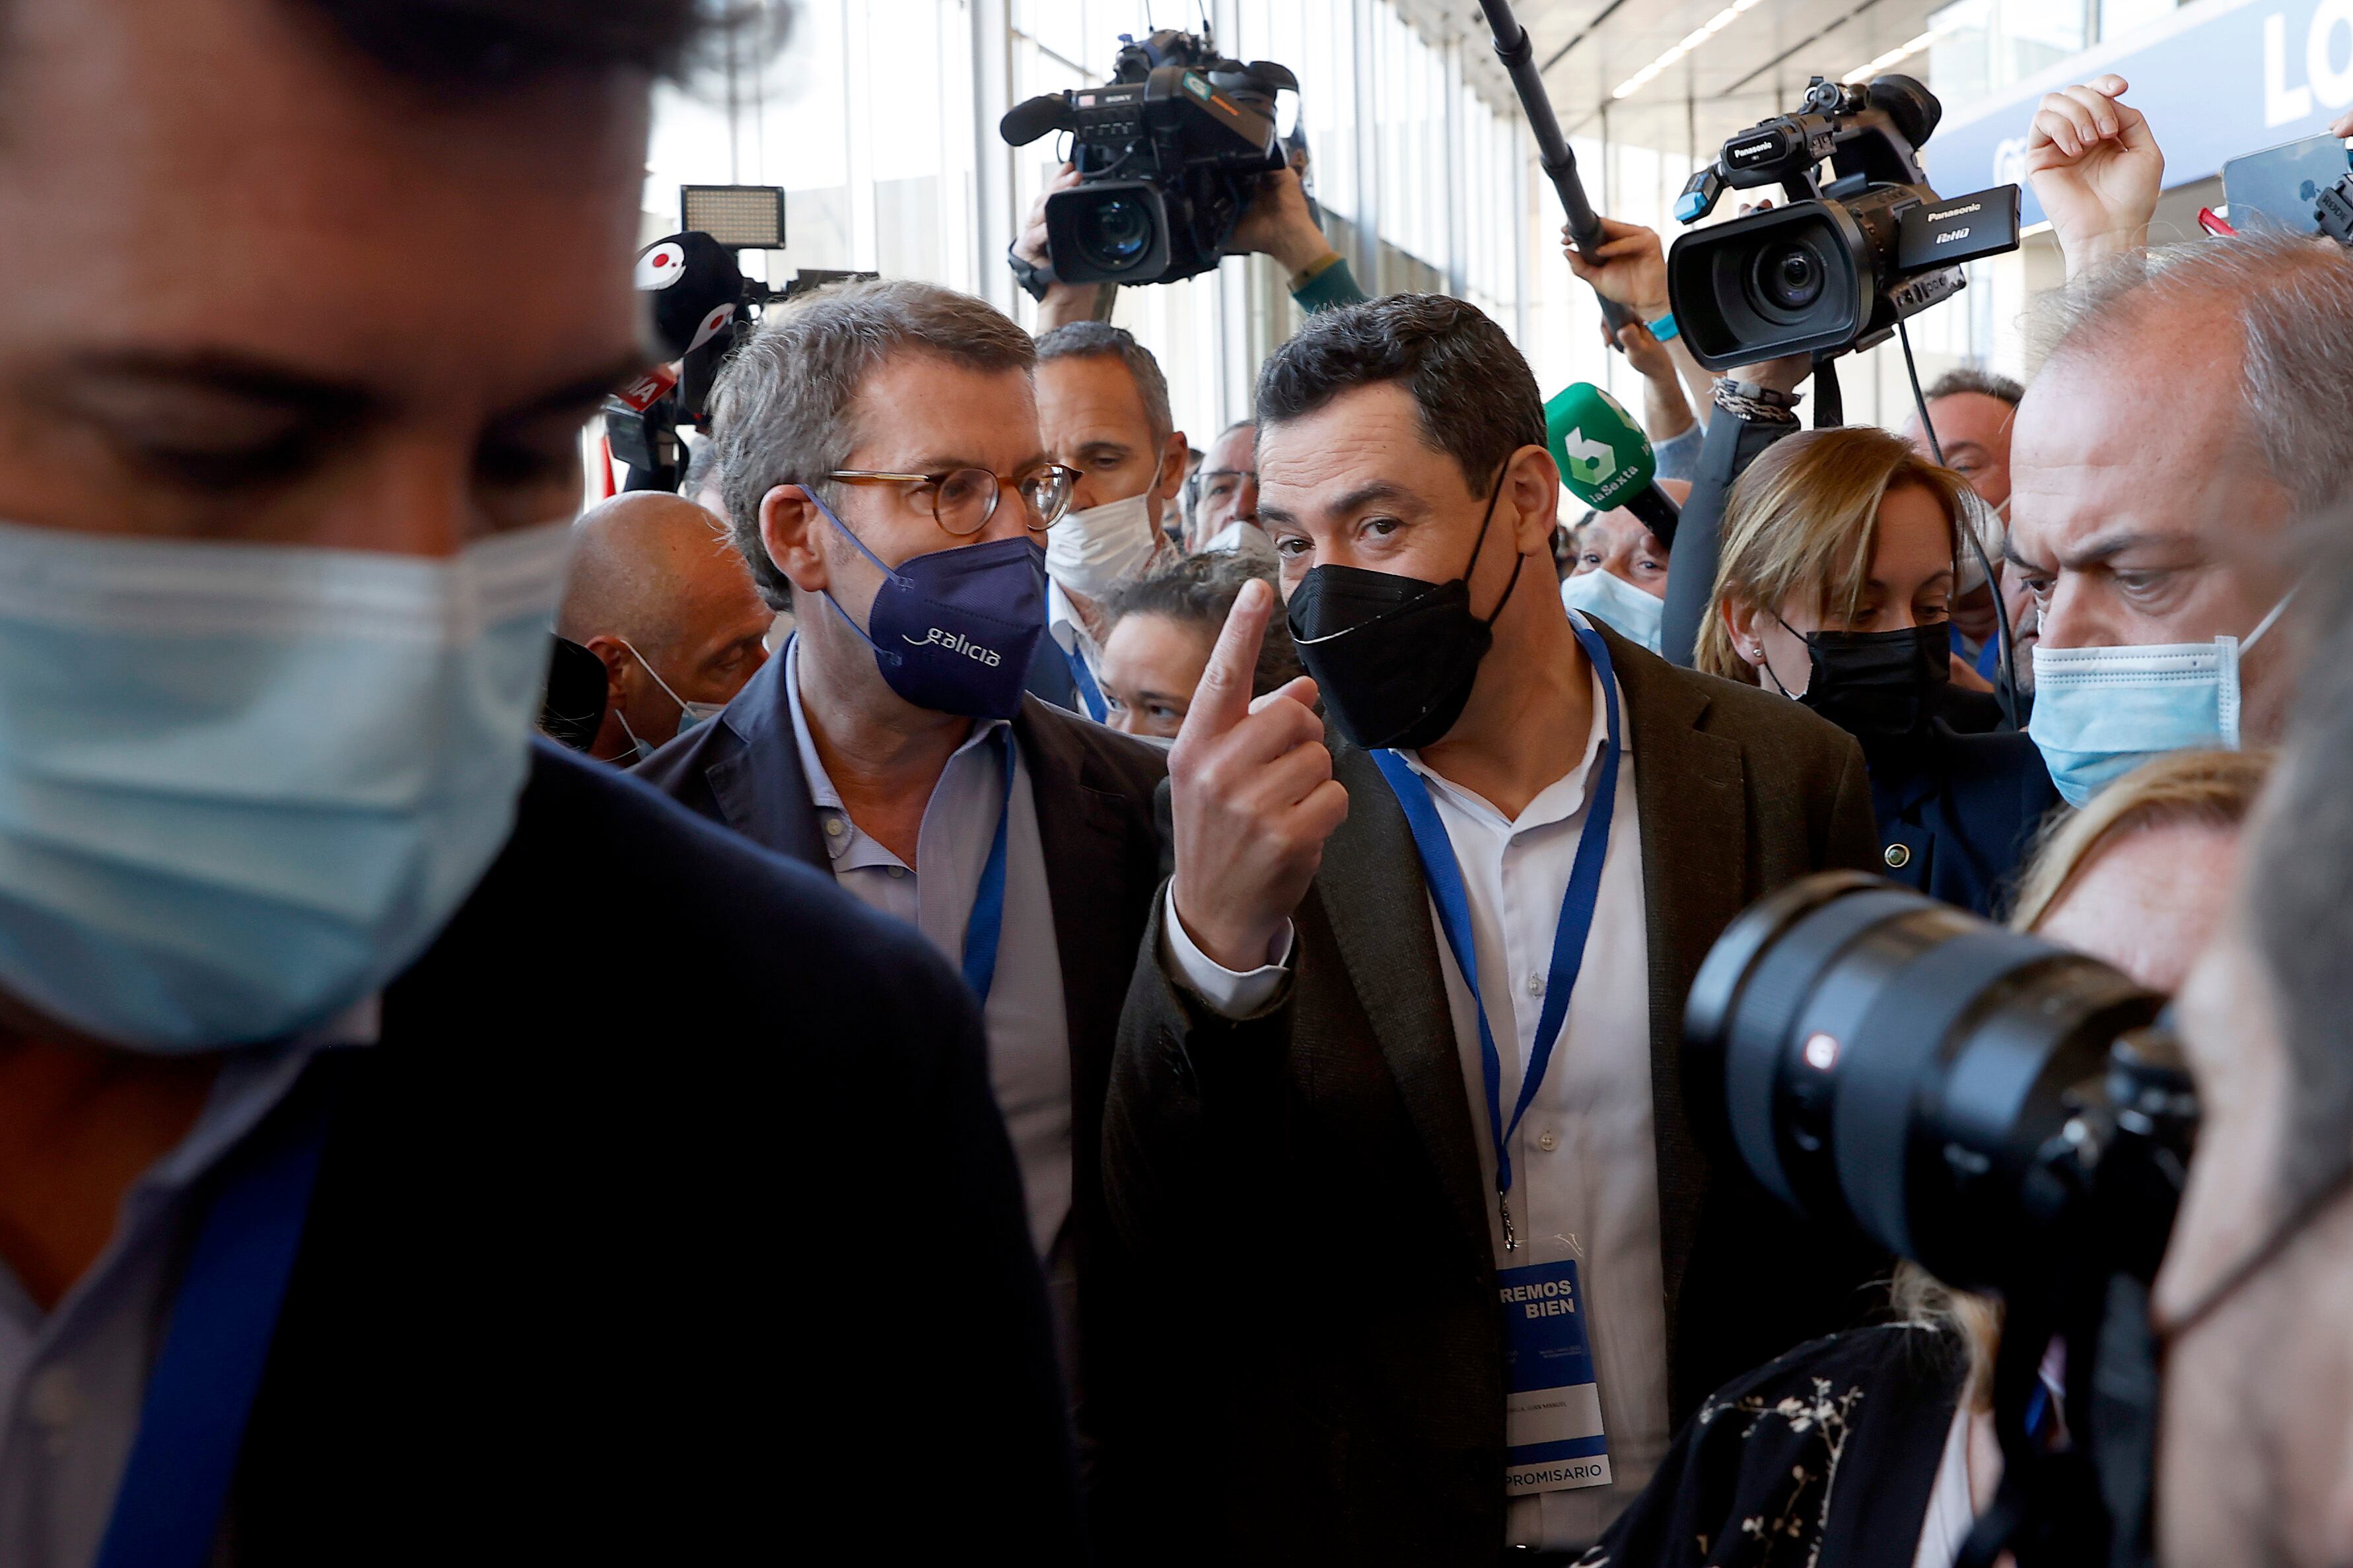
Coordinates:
[689,715]
[2099,712]
[243,787]
[1606,596]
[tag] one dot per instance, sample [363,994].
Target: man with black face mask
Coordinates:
[1402,1055]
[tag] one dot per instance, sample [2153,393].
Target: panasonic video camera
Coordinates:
[2013,1117]
[1845,260]
[1168,152]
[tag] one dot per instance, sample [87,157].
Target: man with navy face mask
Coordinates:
[2189,414]
[1403,1051]
[886,480]
[350,1211]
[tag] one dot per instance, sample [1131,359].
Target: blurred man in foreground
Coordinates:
[352,1209]
[658,594]
[2255,1466]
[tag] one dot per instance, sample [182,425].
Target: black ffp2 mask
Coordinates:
[1879,686]
[1394,657]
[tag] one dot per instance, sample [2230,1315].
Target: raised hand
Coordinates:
[1252,795]
[1064,302]
[1629,268]
[2097,170]
[1278,223]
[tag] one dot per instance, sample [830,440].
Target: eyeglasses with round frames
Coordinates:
[963,500]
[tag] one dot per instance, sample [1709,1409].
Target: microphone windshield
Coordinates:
[1032,117]
[1605,459]
[693,285]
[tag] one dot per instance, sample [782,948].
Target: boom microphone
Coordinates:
[1605,460]
[1560,163]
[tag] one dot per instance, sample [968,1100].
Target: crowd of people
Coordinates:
[1140,988]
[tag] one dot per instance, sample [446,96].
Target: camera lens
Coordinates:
[1789,276]
[1115,233]
[1882,1060]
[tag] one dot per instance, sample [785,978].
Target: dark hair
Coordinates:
[2297,864]
[1984,383]
[1100,339]
[1200,590]
[1477,399]
[472,44]
[701,469]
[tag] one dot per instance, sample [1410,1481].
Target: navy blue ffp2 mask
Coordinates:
[954,630]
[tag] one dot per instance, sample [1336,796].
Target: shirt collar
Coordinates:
[841,835]
[1565,797]
[1062,624]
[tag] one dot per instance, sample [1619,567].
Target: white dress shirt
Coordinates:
[1071,634]
[1029,1032]
[1585,1159]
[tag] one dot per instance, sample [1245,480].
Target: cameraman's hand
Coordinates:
[1644,352]
[1628,269]
[2095,169]
[1064,302]
[2342,125]
[1252,796]
[1277,222]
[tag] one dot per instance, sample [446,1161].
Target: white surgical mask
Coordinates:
[2100,711]
[689,715]
[1090,552]
[244,785]
[1629,611]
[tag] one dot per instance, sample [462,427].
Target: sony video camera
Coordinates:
[2011,1116]
[1168,152]
[1842,262]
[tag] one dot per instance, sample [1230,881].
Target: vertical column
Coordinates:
[992,194]
[1523,277]
[1454,174]
[1236,367]
[858,107]
[1367,18]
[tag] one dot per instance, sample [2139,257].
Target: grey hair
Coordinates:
[2291,297]
[1969,378]
[1100,340]
[785,407]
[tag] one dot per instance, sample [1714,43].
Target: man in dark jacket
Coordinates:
[891,745]
[1398,1109]
[349,1211]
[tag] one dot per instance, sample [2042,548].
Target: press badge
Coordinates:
[1552,1420]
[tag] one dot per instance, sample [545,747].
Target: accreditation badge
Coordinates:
[1552,1421]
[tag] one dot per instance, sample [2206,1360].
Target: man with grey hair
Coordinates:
[883,477]
[2190,408]
[1103,408]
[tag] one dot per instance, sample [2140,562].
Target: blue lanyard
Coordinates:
[982,932]
[1089,693]
[192,1421]
[1577,906]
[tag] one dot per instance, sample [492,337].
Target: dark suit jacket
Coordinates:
[671,1221]
[1310,1178]
[1957,811]
[1093,788]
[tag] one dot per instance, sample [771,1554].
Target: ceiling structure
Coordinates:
[1751,63]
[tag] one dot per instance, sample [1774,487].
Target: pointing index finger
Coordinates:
[1223,696]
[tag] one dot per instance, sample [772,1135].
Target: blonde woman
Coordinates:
[1835,588]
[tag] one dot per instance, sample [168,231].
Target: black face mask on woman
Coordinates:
[1395,657]
[1877,686]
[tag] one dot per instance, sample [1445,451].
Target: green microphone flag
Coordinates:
[1605,459]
